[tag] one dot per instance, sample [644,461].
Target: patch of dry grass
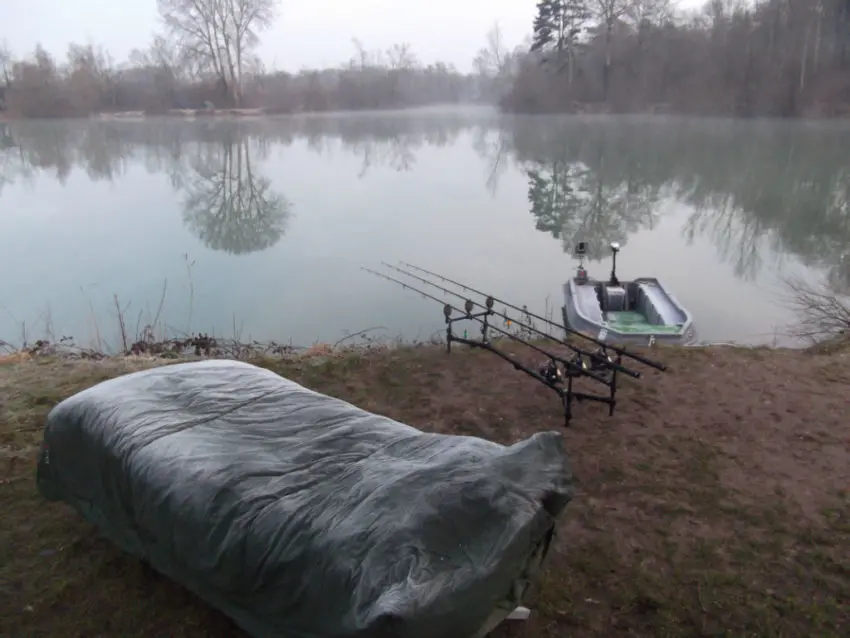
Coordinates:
[714,502]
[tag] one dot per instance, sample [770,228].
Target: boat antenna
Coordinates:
[615,248]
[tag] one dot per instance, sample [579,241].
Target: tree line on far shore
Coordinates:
[781,58]
[731,57]
[205,57]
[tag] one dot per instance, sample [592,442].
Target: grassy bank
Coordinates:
[714,502]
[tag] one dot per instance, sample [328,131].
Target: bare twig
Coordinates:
[189,265]
[823,312]
[357,334]
[95,324]
[156,317]
[121,324]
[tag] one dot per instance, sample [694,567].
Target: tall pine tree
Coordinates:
[557,26]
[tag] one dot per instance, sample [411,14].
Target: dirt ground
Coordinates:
[716,501]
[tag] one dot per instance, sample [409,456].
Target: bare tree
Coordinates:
[153,76]
[823,312]
[645,16]
[5,63]
[161,54]
[36,86]
[218,35]
[5,73]
[400,57]
[653,12]
[364,59]
[401,62]
[491,59]
[608,12]
[90,78]
[493,62]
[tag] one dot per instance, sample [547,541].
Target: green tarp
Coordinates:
[300,515]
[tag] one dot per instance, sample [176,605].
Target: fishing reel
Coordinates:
[601,360]
[577,367]
[551,372]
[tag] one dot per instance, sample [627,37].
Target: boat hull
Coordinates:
[653,317]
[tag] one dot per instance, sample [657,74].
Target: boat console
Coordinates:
[614,298]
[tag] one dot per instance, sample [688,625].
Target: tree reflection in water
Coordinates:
[591,201]
[228,206]
[757,190]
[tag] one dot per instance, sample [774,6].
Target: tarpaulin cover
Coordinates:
[300,515]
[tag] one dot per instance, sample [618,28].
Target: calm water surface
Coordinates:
[258,229]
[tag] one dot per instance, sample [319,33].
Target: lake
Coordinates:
[257,228]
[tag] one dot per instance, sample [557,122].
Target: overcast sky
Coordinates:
[307,33]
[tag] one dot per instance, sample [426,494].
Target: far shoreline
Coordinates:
[256,113]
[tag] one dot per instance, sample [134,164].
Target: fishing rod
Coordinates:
[550,374]
[602,360]
[467,314]
[617,349]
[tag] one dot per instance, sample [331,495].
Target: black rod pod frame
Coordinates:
[557,372]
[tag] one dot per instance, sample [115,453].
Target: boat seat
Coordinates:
[655,306]
[645,307]
[615,299]
[587,302]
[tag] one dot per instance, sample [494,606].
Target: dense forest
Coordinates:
[730,57]
[154,81]
[733,57]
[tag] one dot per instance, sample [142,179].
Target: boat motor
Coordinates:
[615,248]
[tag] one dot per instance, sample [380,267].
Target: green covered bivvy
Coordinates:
[300,515]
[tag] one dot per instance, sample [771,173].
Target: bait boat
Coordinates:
[639,311]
